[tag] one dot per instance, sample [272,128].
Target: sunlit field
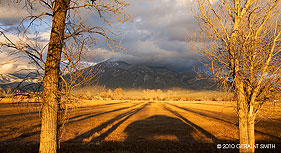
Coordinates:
[197,122]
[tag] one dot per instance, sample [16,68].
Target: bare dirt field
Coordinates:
[139,126]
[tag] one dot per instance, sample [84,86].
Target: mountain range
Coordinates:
[119,74]
[15,80]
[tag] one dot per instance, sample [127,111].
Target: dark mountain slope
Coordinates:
[119,74]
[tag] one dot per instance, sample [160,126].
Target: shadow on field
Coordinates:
[159,127]
[19,103]
[25,134]
[122,117]
[206,133]
[202,114]
[276,138]
[94,114]
[18,111]
[84,116]
[98,106]
[18,114]
[203,103]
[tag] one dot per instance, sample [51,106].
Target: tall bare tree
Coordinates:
[68,26]
[240,43]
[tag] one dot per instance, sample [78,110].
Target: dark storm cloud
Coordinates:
[157,36]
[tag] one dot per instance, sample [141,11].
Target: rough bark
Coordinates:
[48,136]
[246,122]
[251,134]
[243,117]
[246,132]
[243,131]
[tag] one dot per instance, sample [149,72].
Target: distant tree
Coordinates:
[160,94]
[240,43]
[118,93]
[152,94]
[69,30]
[2,93]
[169,93]
[109,92]
[103,95]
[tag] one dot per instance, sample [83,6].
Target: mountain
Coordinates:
[119,74]
[8,78]
[21,80]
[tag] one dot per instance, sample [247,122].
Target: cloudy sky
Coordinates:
[156,36]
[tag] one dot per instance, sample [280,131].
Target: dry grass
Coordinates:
[127,126]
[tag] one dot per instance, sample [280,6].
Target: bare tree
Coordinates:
[240,43]
[69,27]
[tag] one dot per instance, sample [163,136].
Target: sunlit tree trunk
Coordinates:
[243,129]
[251,134]
[246,130]
[48,136]
[242,116]
[246,118]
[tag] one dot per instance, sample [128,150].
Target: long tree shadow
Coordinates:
[87,115]
[29,134]
[24,133]
[15,115]
[203,131]
[158,128]
[18,114]
[202,114]
[165,134]
[105,134]
[203,103]
[104,125]
[228,122]
[33,109]
[98,106]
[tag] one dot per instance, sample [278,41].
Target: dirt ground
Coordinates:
[140,126]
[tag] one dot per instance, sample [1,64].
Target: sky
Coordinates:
[156,36]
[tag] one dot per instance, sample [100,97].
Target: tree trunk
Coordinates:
[48,136]
[251,134]
[246,133]
[246,121]
[246,128]
[243,130]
